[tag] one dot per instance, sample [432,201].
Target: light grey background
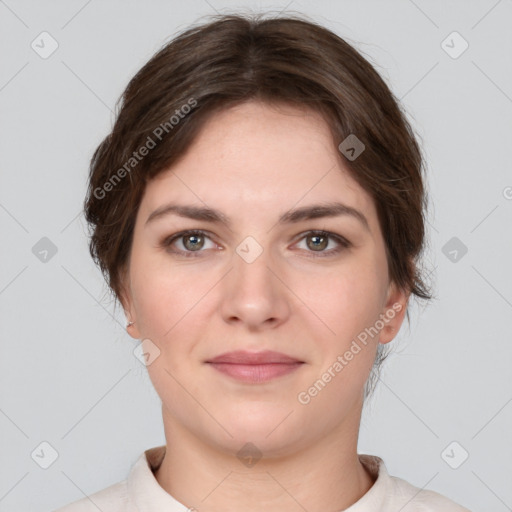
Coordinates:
[68,375]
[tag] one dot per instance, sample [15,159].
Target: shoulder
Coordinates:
[139,490]
[390,493]
[111,499]
[414,499]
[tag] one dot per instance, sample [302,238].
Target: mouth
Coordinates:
[255,367]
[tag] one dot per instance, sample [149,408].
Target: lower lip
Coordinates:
[256,373]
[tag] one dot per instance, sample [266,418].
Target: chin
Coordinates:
[249,443]
[268,431]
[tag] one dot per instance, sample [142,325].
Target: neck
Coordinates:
[326,475]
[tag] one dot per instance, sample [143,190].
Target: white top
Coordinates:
[141,492]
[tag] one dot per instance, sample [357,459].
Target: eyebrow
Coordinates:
[314,211]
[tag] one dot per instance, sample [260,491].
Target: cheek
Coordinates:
[347,299]
[350,306]
[349,303]
[164,295]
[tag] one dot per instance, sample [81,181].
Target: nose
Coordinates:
[255,294]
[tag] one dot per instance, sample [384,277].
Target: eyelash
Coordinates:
[343,243]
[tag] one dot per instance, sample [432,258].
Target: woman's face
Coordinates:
[257,282]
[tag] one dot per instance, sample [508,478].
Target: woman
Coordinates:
[258,211]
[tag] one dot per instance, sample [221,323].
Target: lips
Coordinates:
[256,358]
[255,367]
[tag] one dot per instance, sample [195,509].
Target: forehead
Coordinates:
[257,158]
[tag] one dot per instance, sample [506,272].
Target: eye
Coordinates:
[192,242]
[318,241]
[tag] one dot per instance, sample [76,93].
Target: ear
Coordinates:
[393,312]
[126,299]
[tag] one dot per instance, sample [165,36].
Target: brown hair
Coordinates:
[232,59]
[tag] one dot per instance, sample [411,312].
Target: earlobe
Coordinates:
[127,304]
[131,320]
[393,313]
[132,330]
[131,327]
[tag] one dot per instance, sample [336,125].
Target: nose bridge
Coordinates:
[251,275]
[254,295]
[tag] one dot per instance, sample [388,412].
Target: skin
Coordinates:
[253,162]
